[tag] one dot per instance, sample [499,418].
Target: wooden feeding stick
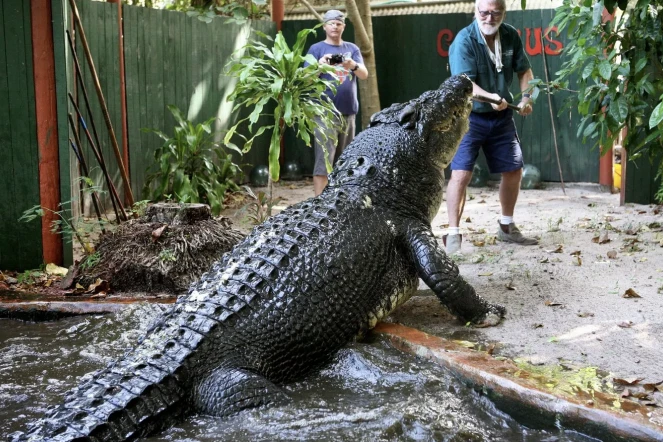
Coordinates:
[485,99]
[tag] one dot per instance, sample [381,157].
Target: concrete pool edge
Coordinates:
[53,310]
[507,385]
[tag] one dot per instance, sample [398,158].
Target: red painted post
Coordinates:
[123,93]
[605,161]
[278,13]
[43,62]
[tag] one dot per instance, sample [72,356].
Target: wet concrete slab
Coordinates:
[519,393]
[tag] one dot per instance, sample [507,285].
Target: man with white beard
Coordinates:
[489,51]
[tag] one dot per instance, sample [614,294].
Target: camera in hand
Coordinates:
[336,59]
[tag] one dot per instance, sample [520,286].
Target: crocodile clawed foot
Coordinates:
[491,317]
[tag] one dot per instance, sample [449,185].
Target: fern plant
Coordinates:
[191,167]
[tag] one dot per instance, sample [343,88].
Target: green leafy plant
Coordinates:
[236,11]
[29,277]
[260,207]
[139,208]
[618,70]
[288,78]
[191,166]
[167,255]
[66,224]
[90,261]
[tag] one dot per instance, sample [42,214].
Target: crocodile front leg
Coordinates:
[441,275]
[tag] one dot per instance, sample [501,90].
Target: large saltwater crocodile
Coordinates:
[298,288]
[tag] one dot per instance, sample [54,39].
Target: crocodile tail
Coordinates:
[131,398]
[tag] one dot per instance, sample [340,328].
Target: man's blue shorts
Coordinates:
[496,133]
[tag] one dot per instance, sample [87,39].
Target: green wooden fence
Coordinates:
[170,58]
[20,243]
[411,58]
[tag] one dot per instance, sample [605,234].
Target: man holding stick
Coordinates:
[489,51]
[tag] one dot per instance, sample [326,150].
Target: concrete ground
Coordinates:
[590,294]
[585,306]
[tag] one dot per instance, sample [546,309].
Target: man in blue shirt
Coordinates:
[349,69]
[489,51]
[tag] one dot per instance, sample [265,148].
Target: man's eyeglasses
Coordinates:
[493,14]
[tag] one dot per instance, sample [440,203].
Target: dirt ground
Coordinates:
[590,295]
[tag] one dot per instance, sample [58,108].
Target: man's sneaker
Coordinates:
[513,235]
[452,243]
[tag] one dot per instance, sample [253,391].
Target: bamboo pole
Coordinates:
[102,101]
[115,198]
[552,118]
[81,160]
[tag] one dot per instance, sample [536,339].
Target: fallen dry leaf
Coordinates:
[612,254]
[443,226]
[491,349]
[156,233]
[510,286]
[544,261]
[577,261]
[559,249]
[486,274]
[98,286]
[466,344]
[653,386]
[625,324]
[575,253]
[552,303]
[52,269]
[626,393]
[478,243]
[627,381]
[630,293]
[468,220]
[537,326]
[585,315]
[492,240]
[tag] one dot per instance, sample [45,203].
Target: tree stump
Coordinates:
[177,214]
[164,251]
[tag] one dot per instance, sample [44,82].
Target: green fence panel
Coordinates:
[171,58]
[20,243]
[99,21]
[641,183]
[412,57]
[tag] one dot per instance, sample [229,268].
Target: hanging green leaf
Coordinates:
[656,116]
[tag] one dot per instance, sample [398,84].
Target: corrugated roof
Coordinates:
[405,7]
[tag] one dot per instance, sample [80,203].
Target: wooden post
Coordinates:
[47,125]
[605,160]
[278,13]
[123,91]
